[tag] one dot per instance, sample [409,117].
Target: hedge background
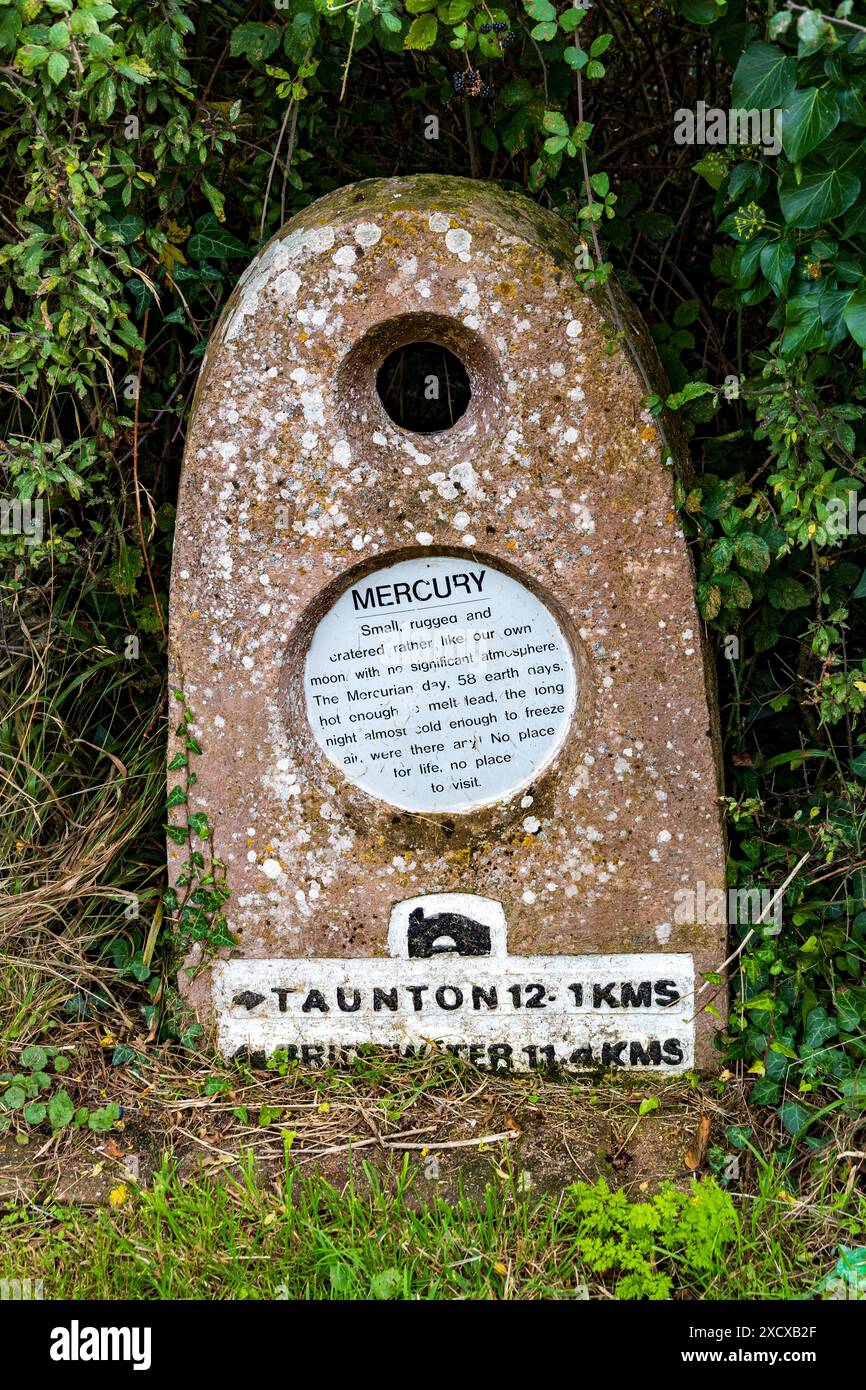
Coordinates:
[150,146]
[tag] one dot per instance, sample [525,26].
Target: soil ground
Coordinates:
[461,1128]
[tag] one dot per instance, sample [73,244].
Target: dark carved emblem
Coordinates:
[446,931]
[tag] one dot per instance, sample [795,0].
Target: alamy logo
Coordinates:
[77,1343]
[21,518]
[709,125]
[737,906]
[20,1290]
[846,516]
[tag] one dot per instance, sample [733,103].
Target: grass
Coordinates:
[303,1238]
[82,776]
[285,1183]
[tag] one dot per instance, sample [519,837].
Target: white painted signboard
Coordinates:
[449,981]
[440,684]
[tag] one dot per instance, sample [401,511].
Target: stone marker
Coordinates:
[457,741]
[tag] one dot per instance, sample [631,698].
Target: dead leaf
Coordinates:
[176,233]
[171,256]
[695,1155]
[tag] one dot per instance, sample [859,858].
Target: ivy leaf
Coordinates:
[819,197]
[764,78]
[819,1027]
[127,227]
[855,315]
[712,168]
[738,1136]
[852,106]
[794,1116]
[140,295]
[214,243]
[804,329]
[422,32]
[808,117]
[777,262]
[765,1091]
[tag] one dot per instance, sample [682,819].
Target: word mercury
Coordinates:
[419,590]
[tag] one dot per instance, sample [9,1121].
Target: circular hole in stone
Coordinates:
[423,387]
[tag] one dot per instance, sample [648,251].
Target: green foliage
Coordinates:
[151,149]
[639,1242]
[199,893]
[32,1098]
[382,1237]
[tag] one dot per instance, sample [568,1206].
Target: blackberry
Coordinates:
[470,83]
[475,84]
[501,29]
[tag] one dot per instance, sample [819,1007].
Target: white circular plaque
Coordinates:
[439,684]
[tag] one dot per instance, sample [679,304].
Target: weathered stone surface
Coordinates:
[296,484]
